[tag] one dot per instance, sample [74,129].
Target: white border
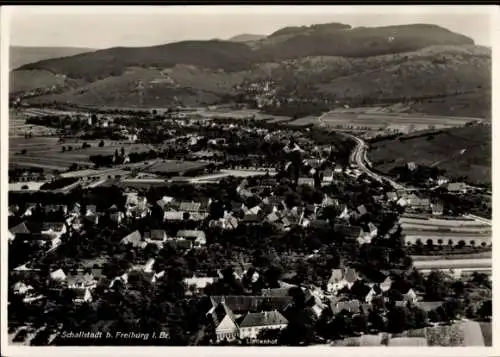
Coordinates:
[9,350]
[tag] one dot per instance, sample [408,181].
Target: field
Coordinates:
[174,166]
[376,119]
[479,255]
[305,121]
[453,263]
[441,223]
[46,152]
[460,151]
[25,186]
[224,113]
[18,127]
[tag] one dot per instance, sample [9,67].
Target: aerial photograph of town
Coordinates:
[256,179]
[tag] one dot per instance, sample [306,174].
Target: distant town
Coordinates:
[229,225]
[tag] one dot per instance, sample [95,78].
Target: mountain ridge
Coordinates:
[21,55]
[332,60]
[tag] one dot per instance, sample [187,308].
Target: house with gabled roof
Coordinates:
[135,239]
[362,210]
[457,187]
[328,176]
[136,206]
[352,306]
[13,210]
[155,236]
[196,236]
[56,209]
[254,210]
[192,206]
[116,216]
[171,215]
[306,181]
[241,304]
[251,219]
[410,296]
[82,296]
[223,322]
[123,279]
[91,210]
[20,288]
[10,236]
[30,208]
[392,196]
[81,281]
[272,217]
[180,243]
[386,284]
[56,229]
[58,275]
[329,201]
[341,278]
[370,295]
[165,201]
[20,229]
[197,284]
[254,322]
[437,208]
[344,214]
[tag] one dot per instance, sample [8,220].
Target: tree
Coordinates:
[485,311]
[23,152]
[268,335]
[453,308]
[63,149]
[101,143]
[70,148]
[434,316]
[458,288]
[436,286]
[360,323]
[376,321]
[398,319]
[419,317]
[480,280]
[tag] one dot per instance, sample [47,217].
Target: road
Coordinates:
[358,157]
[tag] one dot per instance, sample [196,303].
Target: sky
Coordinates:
[104,27]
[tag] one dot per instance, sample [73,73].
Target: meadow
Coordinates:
[461,152]
[46,152]
[373,119]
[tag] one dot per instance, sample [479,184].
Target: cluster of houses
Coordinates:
[245,316]
[414,203]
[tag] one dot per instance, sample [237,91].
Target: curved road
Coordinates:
[358,157]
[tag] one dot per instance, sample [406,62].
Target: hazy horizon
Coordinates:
[35,27]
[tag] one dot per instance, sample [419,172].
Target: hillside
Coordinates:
[246,37]
[462,151]
[97,65]
[20,55]
[457,76]
[413,64]
[231,56]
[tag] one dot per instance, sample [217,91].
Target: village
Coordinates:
[258,233]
